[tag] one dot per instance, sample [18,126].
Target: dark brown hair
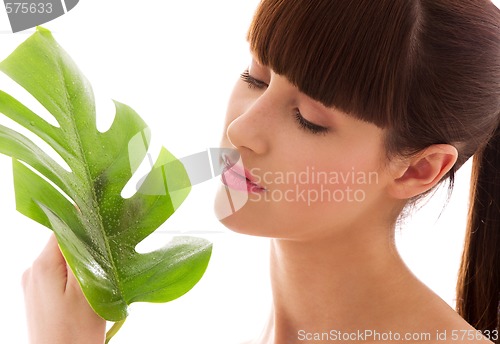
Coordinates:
[429,72]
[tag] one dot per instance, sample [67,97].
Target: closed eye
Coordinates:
[307,125]
[252,82]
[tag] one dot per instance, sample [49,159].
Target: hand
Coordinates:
[57,310]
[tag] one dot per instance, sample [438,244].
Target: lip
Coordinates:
[239,178]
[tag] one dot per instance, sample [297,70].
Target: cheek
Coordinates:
[338,189]
[333,169]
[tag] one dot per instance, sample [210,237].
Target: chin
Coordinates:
[252,217]
[238,213]
[242,225]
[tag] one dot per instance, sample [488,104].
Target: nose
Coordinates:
[251,129]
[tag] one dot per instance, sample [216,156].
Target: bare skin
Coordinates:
[334,265]
[57,311]
[371,289]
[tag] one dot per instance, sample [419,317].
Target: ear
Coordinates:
[423,171]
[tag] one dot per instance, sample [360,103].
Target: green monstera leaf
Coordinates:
[97,229]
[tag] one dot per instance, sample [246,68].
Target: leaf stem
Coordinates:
[113,330]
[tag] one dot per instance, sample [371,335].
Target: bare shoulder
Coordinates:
[445,326]
[459,331]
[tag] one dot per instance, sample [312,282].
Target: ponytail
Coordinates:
[478,285]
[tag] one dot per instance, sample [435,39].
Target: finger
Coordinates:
[71,281]
[26,278]
[54,259]
[50,267]
[51,254]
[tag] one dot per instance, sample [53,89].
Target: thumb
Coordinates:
[52,263]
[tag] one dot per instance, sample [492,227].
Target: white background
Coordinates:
[175,63]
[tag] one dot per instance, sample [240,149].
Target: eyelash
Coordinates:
[303,123]
[252,82]
[309,126]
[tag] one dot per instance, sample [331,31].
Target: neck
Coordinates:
[346,283]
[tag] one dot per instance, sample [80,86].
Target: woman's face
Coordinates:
[304,169]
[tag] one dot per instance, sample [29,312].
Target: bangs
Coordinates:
[349,54]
